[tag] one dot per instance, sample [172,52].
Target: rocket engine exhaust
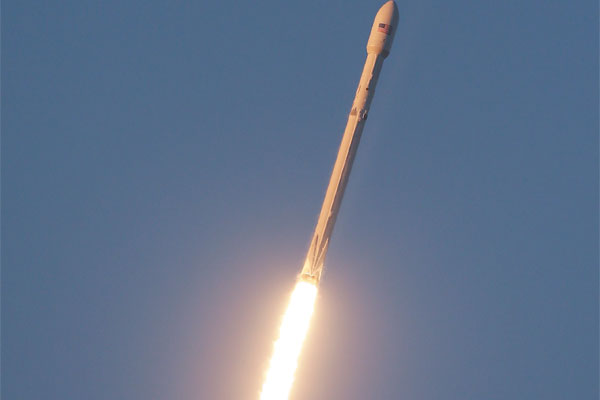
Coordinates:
[294,326]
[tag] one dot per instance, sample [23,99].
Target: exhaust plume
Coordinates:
[280,376]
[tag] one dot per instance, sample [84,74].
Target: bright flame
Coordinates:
[296,319]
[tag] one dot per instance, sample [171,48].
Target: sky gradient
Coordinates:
[163,165]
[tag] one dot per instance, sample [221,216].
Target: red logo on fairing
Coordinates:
[384,28]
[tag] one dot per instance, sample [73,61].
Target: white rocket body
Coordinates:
[378,48]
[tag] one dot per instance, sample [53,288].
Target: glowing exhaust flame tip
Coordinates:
[294,327]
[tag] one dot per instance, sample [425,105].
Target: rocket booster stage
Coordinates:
[378,48]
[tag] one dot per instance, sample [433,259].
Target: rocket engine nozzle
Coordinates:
[314,280]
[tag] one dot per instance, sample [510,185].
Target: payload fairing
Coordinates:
[378,48]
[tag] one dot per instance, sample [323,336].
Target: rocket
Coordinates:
[378,48]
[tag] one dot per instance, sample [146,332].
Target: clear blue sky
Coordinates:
[163,164]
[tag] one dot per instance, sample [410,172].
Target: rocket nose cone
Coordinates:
[388,13]
[383,30]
